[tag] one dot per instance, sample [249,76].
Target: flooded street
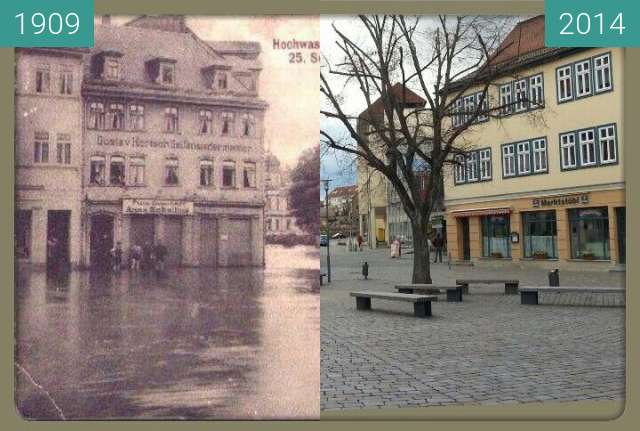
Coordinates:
[197,343]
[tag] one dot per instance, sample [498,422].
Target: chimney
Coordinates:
[106,19]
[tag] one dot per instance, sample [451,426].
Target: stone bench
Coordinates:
[421,303]
[529,295]
[510,286]
[454,293]
[322,278]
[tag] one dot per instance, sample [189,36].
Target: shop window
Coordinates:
[583,78]
[171,119]
[496,236]
[206,173]
[540,237]
[602,73]
[96,115]
[111,69]
[587,147]
[565,83]
[206,122]
[171,172]
[589,229]
[43,79]
[505,99]
[568,150]
[63,148]
[249,175]
[539,155]
[520,90]
[66,82]
[116,171]
[508,160]
[116,116]
[229,174]
[96,176]
[607,143]
[536,91]
[137,171]
[41,147]
[227,123]
[248,125]
[136,117]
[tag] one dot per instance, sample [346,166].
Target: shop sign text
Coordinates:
[581,199]
[157,206]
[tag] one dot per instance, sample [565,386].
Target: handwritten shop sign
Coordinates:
[139,142]
[581,199]
[157,206]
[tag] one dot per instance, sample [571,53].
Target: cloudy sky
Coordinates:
[291,90]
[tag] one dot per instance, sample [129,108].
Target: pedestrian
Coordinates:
[438,243]
[359,239]
[160,252]
[136,257]
[116,257]
[365,270]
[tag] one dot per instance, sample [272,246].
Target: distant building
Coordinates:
[343,208]
[278,217]
[153,135]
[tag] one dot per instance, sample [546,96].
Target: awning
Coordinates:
[481,212]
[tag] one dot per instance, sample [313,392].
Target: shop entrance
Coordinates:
[466,248]
[240,244]
[208,241]
[173,240]
[621,219]
[58,222]
[142,230]
[101,241]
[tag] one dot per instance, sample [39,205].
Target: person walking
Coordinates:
[438,244]
[136,257]
[160,252]
[116,257]
[359,239]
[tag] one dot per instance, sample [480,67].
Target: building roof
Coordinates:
[400,92]
[523,47]
[344,191]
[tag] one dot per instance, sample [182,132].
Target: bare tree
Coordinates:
[442,60]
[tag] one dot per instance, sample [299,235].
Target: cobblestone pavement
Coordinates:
[488,349]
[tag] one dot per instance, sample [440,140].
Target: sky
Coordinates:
[291,90]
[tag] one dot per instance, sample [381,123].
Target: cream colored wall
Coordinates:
[550,121]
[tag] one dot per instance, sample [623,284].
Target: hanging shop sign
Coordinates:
[579,199]
[157,206]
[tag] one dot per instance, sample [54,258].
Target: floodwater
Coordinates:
[233,343]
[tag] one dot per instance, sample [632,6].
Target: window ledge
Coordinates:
[552,259]
[494,258]
[589,260]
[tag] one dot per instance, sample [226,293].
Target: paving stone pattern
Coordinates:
[488,349]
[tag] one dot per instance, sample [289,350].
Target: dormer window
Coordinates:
[167,73]
[162,71]
[111,68]
[106,65]
[221,81]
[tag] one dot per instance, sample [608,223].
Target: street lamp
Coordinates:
[326,204]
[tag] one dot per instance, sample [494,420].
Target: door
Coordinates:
[58,223]
[621,219]
[208,242]
[173,241]
[101,241]
[466,249]
[240,244]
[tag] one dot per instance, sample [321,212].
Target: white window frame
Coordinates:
[111,68]
[250,173]
[456,118]
[523,153]
[207,164]
[589,144]
[137,171]
[608,140]
[225,166]
[564,76]
[484,108]
[469,103]
[205,122]
[471,164]
[568,151]
[171,119]
[540,159]
[583,78]
[66,82]
[63,148]
[509,160]
[600,68]
[506,99]
[485,164]
[136,116]
[173,164]
[536,91]
[520,93]
[42,148]
[460,170]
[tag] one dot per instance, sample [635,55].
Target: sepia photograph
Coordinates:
[166,221]
[473,215]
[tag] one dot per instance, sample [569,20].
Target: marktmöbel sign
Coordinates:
[576,199]
[157,206]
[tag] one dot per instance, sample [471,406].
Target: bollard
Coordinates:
[554,278]
[365,270]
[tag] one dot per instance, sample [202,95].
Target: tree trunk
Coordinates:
[421,262]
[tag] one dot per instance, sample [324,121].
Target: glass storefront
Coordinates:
[589,229]
[540,237]
[495,236]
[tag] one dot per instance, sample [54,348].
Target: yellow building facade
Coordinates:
[543,184]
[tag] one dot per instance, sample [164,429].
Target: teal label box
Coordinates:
[592,23]
[46,23]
